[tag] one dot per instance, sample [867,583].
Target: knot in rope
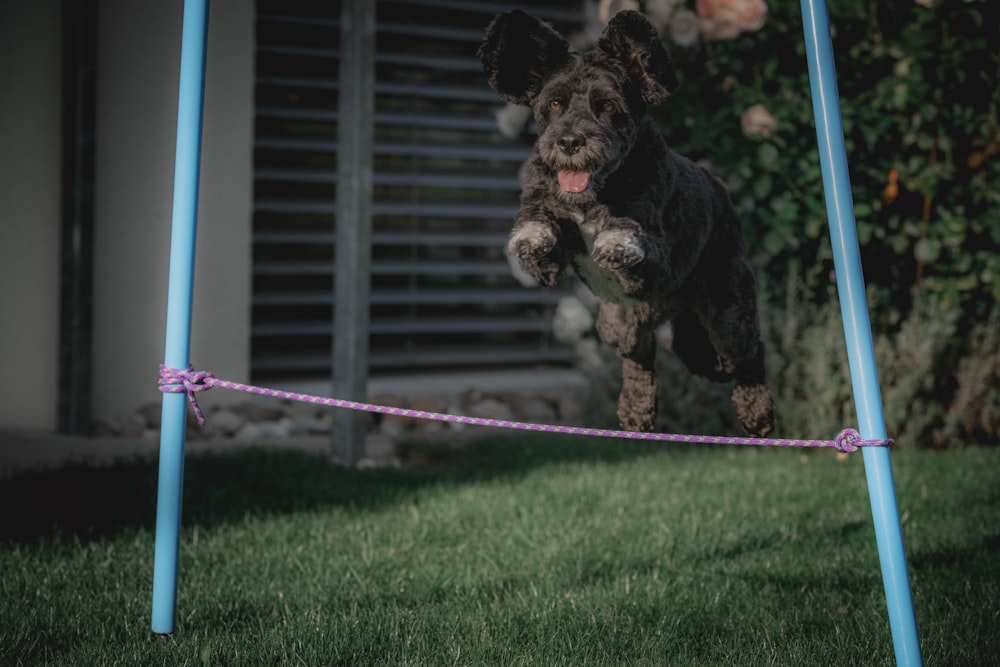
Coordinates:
[848,441]
[190,381]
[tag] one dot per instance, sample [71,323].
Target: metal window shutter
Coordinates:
[445,196]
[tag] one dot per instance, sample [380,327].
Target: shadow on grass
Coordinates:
[91,502]
[960,557]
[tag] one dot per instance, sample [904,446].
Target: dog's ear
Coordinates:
[631,38]
[517,53]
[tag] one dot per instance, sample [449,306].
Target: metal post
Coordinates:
[187,167]
[857,329]
[355,131]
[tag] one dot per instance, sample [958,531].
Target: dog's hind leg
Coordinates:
[627,331]
[692,345]
[751,398]
[733,328]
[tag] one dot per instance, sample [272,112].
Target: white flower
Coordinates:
[572,320]
[664,335]
[684,30]
[609,8]
[511,120]
[659,12]
[588,351]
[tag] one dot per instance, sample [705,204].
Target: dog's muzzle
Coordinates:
[571,180]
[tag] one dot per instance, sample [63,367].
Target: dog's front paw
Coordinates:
[534,246]
[617,249]
[532,241]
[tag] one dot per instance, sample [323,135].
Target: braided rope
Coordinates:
[190,381]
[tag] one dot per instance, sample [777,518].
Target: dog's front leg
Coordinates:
[627,330]
[637,402]
[535,242]
[621,248]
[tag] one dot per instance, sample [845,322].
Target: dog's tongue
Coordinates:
[574,181]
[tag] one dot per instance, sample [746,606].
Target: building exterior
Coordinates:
[136,96]
[88,127]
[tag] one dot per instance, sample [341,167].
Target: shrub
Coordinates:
[938,389]
[974,412]
[920,92]
[917,363]
[807,363]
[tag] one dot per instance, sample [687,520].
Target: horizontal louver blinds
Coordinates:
[446,192]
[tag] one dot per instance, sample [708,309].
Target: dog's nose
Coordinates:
[570,143]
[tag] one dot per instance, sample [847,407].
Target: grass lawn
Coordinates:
[510,550]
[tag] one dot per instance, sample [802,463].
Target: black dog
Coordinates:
[653,235]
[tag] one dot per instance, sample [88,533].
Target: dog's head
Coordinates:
[587,105]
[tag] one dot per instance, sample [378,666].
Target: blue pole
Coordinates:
[857,329]
[180,290]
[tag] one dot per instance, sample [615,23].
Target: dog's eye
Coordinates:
[607,106]
[555,105]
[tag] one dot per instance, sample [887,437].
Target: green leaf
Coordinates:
[927,250]
[762,187]
[773,242]
[767,155]
[813,226]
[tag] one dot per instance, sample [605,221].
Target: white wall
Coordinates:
[137,77]
[138,69]
[30,146]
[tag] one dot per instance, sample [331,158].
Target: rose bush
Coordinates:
[920,92]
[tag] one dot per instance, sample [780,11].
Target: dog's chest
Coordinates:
[602,282]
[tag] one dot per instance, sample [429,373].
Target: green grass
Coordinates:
[525,550]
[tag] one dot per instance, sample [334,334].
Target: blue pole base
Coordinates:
[187,169]
[857,328]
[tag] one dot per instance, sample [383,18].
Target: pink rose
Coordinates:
[757,121]
[751,14]
[726,19]
[715,28]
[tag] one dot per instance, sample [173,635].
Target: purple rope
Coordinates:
[173,380]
